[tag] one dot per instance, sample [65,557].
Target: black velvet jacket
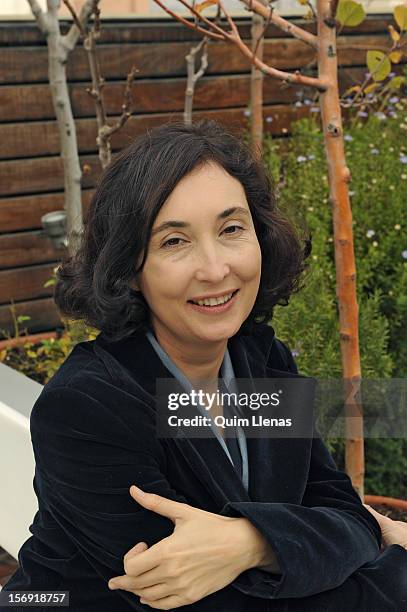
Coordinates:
[94,434]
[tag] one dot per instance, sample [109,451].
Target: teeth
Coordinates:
[214,301]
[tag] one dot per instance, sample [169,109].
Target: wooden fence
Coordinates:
[31,179]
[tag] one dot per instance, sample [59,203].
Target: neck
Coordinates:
[198,362]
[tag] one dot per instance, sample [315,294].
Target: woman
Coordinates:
[181,217]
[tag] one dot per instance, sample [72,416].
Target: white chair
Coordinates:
[18,501]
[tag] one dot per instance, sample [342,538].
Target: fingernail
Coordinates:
[112,585]
[139,491]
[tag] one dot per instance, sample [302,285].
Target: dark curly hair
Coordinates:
[94,284]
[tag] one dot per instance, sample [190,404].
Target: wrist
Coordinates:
[255,550]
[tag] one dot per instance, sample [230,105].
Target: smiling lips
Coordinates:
[214,301]
[215,305]
[203,298]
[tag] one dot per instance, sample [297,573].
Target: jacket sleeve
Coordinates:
[319,543]
[87,456]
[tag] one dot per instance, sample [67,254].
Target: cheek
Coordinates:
[163,282]
[250,263]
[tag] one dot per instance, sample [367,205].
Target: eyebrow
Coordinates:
[173,223]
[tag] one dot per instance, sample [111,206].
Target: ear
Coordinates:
[134,285]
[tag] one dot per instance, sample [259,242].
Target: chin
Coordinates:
[213,333]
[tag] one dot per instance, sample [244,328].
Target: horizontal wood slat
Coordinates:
[25,212]
[25,283]
[30,64]
[33,102]
[41,174]
[26,248]
[139,30]
[43,315]
[19,140]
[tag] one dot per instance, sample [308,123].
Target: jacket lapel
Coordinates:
[207,459]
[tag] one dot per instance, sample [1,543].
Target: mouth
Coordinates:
[212,305]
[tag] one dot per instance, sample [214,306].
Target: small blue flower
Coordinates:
[362,114]
[314,109]
[370,233]
[375,151]
[403,159]
[404,254]
[311,156]
[269,119]
[301,158]
[393,114]
[394,100]
[247,113]
[380,115]
[348,138]
[392,74]
[298,103]
[308,102]
[295,353]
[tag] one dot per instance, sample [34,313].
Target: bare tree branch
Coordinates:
[283,24]
[194,76]
[39,15]
[234,37]
[126,112]
[289,77]
[71,38]
[262,34]
[75,17]
[189,24]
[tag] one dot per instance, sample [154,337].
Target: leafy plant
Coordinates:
[377,157]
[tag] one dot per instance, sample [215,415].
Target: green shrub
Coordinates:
[40,361]
[376,155]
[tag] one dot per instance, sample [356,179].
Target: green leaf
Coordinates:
[22,318]
[350,13]
[396,82]
[400,15]
[379,65]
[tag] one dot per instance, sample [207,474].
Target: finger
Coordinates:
[134,565]
[161,505]
[125,583]
[155,592]
[167,603]
[138,548]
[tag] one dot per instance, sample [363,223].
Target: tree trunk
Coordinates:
[57,57]
[339,177]
[256,88]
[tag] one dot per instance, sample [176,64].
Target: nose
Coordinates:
[212,265]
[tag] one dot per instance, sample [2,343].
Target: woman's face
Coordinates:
[212,250]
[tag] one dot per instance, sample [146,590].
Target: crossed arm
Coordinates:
[86,460]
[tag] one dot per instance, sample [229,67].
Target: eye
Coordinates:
[239,228]
[167,245]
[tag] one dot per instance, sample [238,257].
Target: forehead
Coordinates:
[205,191]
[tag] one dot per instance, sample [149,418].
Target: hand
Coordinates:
[204,554]
[393,532]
